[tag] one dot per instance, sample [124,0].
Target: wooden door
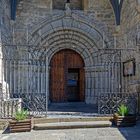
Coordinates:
[65,65]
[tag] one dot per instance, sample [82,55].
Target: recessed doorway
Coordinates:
[67,77]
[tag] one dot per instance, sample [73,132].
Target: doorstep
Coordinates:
[72,125]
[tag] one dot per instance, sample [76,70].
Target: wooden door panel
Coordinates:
[60,63]
[74,60]
[57,84]
[57,78]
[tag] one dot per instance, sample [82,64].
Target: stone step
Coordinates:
[72,125]
[55,120]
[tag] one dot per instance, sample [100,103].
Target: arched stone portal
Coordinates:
[67,77]
[68,32]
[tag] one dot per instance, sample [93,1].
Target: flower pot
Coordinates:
[124,121]
[20,126]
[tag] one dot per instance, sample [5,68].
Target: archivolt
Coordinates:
[68,39]
[66,33]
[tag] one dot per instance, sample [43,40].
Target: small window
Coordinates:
[74,4]
[59,4]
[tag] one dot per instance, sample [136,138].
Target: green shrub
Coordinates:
[21,115]
[123,110]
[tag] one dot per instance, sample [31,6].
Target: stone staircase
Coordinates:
[71,123]
[65,123]
[71,116]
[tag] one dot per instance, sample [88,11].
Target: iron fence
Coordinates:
[108,103]
[26,77]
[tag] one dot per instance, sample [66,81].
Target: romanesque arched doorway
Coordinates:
[67,77]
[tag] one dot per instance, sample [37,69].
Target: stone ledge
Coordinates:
[56,120]
[73,125]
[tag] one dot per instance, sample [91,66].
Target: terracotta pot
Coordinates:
[124,121]
[20,126]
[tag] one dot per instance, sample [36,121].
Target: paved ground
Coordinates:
[131,133]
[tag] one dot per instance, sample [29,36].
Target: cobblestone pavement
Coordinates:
[131,133]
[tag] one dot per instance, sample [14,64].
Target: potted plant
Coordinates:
[123,118]
[21,123]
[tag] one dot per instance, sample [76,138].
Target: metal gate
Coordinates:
[108,81]
[25,77]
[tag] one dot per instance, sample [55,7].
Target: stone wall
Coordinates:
[130,15]
[130,28]
[39,25]
[5,21]
[60,4]
[130,24]
[37,21]
[32,13]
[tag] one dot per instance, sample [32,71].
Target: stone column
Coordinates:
[89,93]
[1,66]
[47,83]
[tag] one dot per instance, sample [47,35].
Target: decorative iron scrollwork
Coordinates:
[109,102]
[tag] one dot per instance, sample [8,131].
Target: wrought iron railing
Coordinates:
[109,102]
[25,75]
[35,103]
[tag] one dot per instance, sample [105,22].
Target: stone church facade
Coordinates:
[52,50]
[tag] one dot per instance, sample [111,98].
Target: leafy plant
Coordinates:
[21,115]
[123,110]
